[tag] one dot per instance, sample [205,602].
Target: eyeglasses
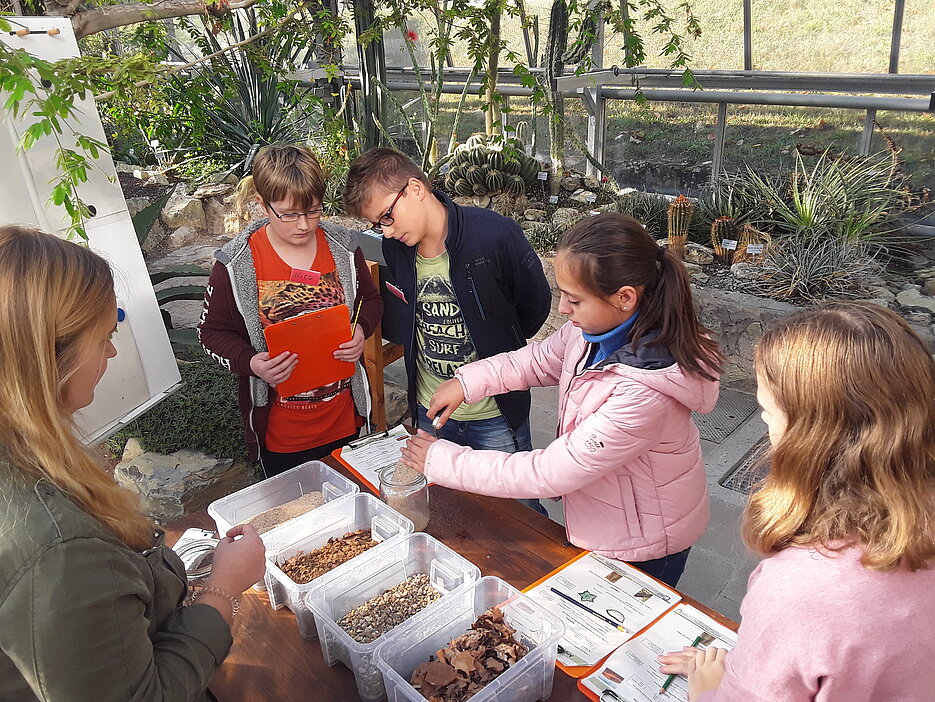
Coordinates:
[387,219]
[294,216]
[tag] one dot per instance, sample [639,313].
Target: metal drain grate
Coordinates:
[748,471]
[733,408]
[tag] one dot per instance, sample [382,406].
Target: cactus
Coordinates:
[750,235]
[680,214]
[723,228]
[482,168]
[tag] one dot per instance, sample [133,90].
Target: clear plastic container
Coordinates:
[374,572]
[412,643]
[313,476]
[312,531]
[407,496]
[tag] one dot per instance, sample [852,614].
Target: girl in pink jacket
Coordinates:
[631,365]
[840,609]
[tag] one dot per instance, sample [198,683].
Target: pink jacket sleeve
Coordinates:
[627,425]
[538,364]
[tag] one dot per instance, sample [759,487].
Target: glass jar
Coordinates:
[407,491]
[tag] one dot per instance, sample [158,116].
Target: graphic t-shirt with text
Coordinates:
[443,342]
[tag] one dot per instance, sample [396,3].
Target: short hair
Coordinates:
[286,172]
[378,172]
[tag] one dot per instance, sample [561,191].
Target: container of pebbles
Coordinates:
[277,500]
[325,540]
[480,659]
[358,606]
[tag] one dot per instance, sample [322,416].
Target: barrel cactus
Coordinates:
[482,167]
[723,228]
[680,213]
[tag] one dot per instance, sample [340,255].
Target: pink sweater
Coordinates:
[823,627]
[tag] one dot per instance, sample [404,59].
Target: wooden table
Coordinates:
[269,661]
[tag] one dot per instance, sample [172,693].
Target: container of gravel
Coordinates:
[315,544]
[349,588]
[505,679]
[277,500]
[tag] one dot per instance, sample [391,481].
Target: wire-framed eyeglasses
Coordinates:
[387,219]
[295,216]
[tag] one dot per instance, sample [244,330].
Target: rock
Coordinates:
[929,287]
[521,202]
[609,207]
[583,196]
[881,292]
[183,211]
[132,449]
[213,190]
[700,278]
[480,200]
[155,177]
[919,318]
[504,204]
[122,167]
[910,286]
[696,253]
[692,268]
[183,482]
[534,215]
[570,183]
[156,237]
[137,204]
[744,271]
[202,255]
[563,216]
[592,183]
[182,236]
[876,301]
[463,200]
[912,299]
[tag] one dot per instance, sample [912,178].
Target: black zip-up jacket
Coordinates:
[498,281]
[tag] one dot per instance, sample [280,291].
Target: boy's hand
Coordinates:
[448,397]
[352,350]
[416,449]
[274,370]
[704,668]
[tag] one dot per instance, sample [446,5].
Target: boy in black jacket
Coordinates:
[465,284]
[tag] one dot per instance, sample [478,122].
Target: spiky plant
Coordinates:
[680,216]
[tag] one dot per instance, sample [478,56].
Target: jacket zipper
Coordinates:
[480,307]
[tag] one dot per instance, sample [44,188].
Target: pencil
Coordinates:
[583,606]
[356,315]
[665,685]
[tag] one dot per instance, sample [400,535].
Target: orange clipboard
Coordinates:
[581,671]
[315,336]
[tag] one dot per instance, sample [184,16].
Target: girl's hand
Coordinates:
[274,370]
[416,449]
[704,668]
[238,563]
[448,397]
[352,350]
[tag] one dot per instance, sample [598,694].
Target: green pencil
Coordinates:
[665,685]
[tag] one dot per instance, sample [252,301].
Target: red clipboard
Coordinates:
[315,336]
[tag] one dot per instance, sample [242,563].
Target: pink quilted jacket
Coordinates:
[627,459]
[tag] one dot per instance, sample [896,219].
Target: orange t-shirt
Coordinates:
[324,414]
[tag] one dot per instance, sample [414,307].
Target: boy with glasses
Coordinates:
[465,284]
[289,264]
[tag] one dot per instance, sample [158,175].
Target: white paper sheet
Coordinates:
[632,674]
[612,588]
[371,455]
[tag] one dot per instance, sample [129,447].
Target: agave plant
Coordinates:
[651,209]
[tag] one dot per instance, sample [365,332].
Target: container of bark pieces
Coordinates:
[317,543]
[486,642]
[357,608]
[277,500]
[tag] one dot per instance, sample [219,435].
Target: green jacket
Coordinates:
[83,617]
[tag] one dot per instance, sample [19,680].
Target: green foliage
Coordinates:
[489,166]
[202,415]
[144,219]
[651,209]
[543,236]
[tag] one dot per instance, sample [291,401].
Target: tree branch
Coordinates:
[89,19]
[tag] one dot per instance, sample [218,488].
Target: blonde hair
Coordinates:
[856,464]
[378,172]
[53,295]
[284,172]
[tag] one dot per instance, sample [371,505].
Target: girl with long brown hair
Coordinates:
[839,609]
[90,600]
[631,364]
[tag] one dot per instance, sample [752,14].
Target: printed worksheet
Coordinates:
[370,455]
[603,602]
[632,674]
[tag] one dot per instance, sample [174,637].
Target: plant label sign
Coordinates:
[591,197]
[594,212]
[543,175]
[444,169]
[553,199]
[754,248]
[729,244]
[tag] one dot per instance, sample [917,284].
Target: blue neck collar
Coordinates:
[609,342]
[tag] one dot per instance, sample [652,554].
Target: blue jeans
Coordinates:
[492,434]
[668,569]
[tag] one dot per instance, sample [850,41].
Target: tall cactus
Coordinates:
[680,217]
[723,228]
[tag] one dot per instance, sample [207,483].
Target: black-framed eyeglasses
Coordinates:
[294,216]
[387,219]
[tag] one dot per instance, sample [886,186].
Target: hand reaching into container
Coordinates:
[416,449]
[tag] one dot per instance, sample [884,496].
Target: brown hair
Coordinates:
[285,172]
[53,296]
[609,251]
[378,172]
[856,464]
